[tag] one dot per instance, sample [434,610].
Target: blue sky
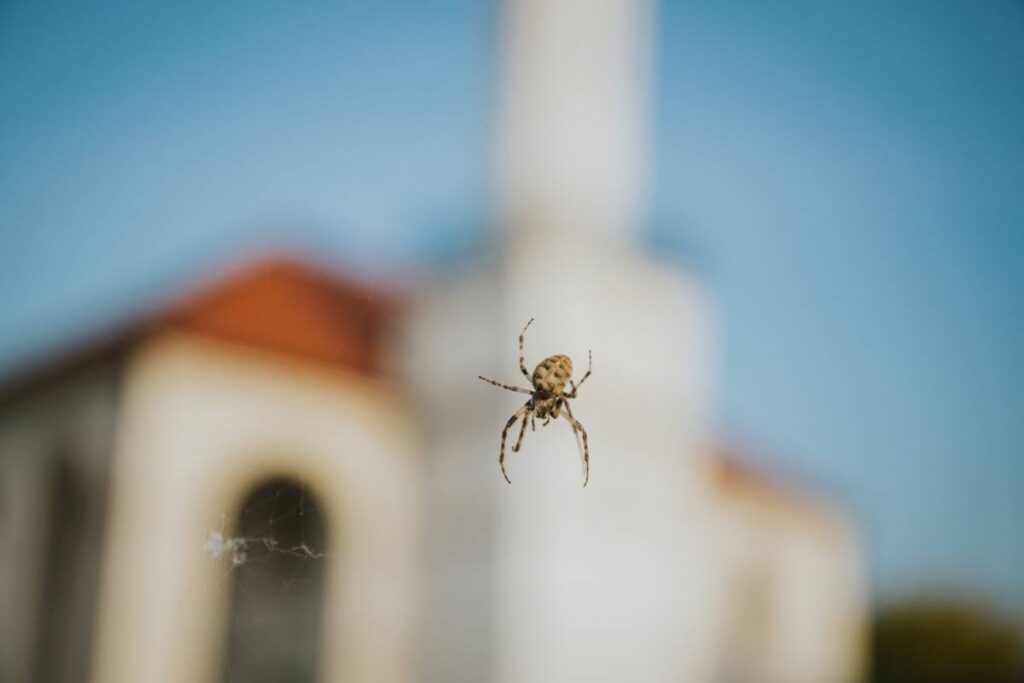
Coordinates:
[855,175]
[849,178]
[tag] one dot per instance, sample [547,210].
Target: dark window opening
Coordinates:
[63,626]
[274,628]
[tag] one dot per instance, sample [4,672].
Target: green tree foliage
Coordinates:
[945,642]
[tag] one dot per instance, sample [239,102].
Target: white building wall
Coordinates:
[823,599]
[608,583]
[65,428]
[795,604]
[204,423]
[612,582]
[454,334]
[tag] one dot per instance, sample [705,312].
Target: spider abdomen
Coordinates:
[552,374]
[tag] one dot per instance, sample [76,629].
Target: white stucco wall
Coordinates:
[62,429]
[202,424]
[795,599]
[612,582]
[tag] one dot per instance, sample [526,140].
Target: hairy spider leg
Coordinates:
[505,386]
[570,417]
[575,387]
[578,429]
[522,431]
[522,355]
[504,432]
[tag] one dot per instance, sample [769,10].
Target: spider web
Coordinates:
[272,553]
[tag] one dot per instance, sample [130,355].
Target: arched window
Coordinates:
[274,629]
[62,630]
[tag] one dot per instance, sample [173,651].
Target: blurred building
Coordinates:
[283,475]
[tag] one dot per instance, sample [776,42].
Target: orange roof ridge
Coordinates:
[275,302]
[736,469]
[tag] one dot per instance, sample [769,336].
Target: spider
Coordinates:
[547,398]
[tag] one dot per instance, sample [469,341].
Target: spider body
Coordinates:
[552,374]
[548,398]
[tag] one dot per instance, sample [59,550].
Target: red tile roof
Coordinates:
[278,304]
[291,308]
[741,478]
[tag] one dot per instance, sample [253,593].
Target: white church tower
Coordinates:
[610,582]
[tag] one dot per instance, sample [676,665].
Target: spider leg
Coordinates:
[533,422]
[578,430]
[571,418]
[522,356]
[504,433]
[522,432]
[575,387]
[505,386]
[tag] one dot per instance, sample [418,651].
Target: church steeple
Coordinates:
[573,115]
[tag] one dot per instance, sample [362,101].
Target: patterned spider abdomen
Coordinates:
[552,374]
